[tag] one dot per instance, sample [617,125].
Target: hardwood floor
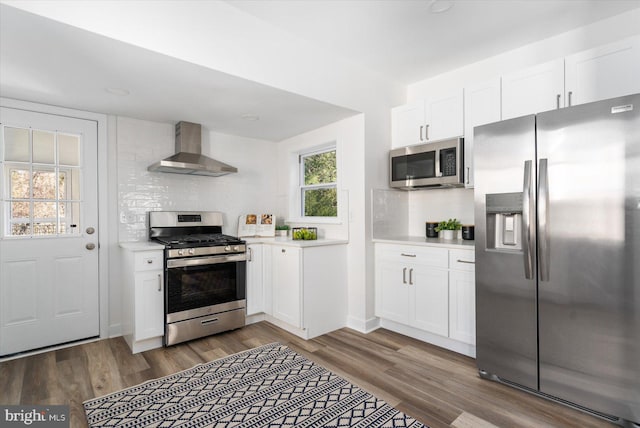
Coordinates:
[438,387]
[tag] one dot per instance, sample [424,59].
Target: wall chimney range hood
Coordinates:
[189,158]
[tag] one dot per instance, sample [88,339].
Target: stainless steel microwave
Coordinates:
[433,165]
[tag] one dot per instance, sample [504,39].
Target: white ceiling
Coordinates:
[39,62]
[398,38]
[404,41]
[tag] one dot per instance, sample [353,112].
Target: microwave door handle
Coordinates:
[438,171]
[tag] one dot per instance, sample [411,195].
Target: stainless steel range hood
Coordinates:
[188,158]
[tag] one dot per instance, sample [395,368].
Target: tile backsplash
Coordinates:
[141,143]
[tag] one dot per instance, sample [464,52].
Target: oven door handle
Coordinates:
[201,261]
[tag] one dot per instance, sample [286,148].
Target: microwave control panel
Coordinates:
[448,162]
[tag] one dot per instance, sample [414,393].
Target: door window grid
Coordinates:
[41,171]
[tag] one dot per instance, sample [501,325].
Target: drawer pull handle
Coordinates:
[407,255]
[466,261]
[209,321]
[149,261]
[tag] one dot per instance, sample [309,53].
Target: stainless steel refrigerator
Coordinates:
[557,215]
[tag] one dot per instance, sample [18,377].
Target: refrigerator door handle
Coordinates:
[528,228]
[543,220]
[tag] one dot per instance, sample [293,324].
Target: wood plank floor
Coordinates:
[438,387]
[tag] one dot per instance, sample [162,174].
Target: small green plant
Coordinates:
[451,224]
[282,227]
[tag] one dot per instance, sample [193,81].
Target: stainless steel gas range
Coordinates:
[205,274]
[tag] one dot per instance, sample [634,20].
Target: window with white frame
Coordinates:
[41,171]
[318,183]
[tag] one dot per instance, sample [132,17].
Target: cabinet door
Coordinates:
[286,285]
[482,105]
[462,306]
[444,116]
[392,291]
[407,124]
[429,299]
[533,90]
[149,305]
[255,283]
[605,72]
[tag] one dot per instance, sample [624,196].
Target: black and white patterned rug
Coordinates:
[269,386]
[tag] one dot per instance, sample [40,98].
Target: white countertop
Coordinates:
[286,240]
[427,242]
[141,246]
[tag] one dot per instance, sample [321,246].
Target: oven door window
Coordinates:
[193,287]
[413,167]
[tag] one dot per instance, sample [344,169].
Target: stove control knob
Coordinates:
[227,248]
[236,248]
[191,251]
[180,252]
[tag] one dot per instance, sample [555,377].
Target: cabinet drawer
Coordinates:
[148,260]
[462,260]
[425,256]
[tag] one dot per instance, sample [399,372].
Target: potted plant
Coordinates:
[282,230]
[448,228]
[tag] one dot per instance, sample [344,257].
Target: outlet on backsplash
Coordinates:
[127,217]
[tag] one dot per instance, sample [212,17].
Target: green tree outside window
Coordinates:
[319,193]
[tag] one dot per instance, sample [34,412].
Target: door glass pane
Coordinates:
[19,229]
[69,218]
[20,184]
[69,184]
[44,148]
[44,228]
[19,210]
[44,210]
[69,150]
[44,184]
[16,144]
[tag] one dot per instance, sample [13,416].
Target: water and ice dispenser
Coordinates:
[504,221]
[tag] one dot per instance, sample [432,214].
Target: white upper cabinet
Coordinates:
[533,90]
[427,120]
[482,105]
[407,124]
[444,116]
[605,72]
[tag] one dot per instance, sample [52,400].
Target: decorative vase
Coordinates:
[447,234]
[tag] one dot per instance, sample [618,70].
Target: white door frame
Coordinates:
[104,195]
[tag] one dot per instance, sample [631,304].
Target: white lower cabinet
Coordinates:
[306,288]
[428,289]
[149,305]
[255,280]
[287,284]
[428,299]
[143,297]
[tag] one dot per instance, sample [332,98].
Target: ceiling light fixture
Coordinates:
[440,6]
[117,91]
[250,117]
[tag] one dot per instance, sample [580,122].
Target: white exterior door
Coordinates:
[49,230]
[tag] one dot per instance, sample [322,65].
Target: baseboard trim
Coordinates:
[363,326]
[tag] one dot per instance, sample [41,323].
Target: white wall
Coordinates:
[443,204]
[349,136]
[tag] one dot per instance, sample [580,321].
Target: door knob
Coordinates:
[90,246]
[90,230]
